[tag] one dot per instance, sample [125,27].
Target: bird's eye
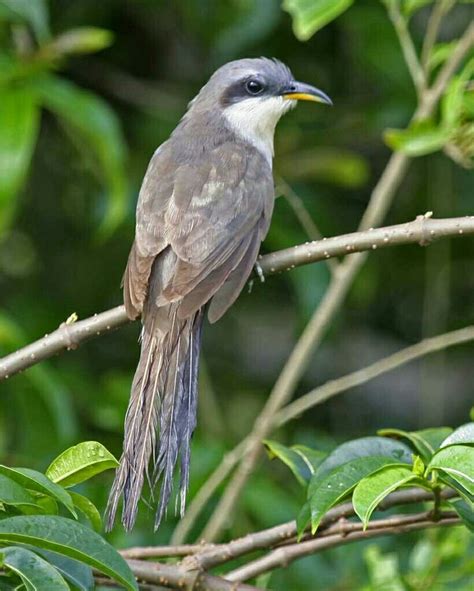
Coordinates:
[254,87]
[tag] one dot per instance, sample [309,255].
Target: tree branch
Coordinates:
[296,364]
[341,533]
[406,43]
[423,230]
[440,9]
[334,530]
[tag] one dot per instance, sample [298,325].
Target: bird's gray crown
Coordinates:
[242,79]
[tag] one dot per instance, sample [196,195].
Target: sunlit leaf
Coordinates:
[452,103]
[440,53]
[418,140]
[33,12]
[372,489]
[301,460]
[71,539]
[458,462]
[80,462]
[97,125]
[38,482]
[80,40]
[424,442]
[88,508]
[34,571]
[311,15]
[19,118]
[462,435]
[326,491]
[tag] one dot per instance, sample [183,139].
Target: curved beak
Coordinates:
[305,92]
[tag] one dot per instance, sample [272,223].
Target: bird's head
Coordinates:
[251,95]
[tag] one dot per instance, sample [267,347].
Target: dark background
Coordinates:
[54,260]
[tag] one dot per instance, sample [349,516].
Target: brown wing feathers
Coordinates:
[197,238]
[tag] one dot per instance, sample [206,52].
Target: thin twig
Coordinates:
[361,376]
[440,9]
[408,47]
[296,364]
[347,533]
[422,231]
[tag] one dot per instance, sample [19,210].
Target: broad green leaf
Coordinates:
[94,122]
[365,446]
[38,482]
[19,120]
[465,512]
[11,493]
[71,539]
[372,489]
[458,462]
[79,463]
[462,435]
[326,491]
[88,508]
[80,40]
[77,573]
[34,571]
[300,460]
[418,140]
[425,442]
[311,15]
[33,12]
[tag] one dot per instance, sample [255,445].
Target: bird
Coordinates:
[203,209]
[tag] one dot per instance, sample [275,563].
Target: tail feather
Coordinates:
[164,392]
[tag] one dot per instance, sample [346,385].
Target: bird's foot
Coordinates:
[259,271]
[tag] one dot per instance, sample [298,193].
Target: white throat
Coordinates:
[255,119]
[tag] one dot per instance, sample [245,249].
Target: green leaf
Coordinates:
[462,435]
[301,460]
[33,12]
[425,442]
[88,508]
[372,489]
[38,482]
[465,512]
[311,15]
[365,446]
[80,575]
[11,493]
[19,122]
[93,121]
[452,103]
[71,539]
[457,486]
[79,463]
[35,572]
[303,519]
[418,140]
[324,492]
[80,40]
[440,53]
[458,462]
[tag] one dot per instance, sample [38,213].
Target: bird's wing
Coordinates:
[212,213]
[222,220]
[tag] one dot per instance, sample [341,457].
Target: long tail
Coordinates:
[164,391]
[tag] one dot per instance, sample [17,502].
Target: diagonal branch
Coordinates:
[423,230]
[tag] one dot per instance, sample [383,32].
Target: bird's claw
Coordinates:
[259,272]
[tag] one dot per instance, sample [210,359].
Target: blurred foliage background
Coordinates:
[88,90]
